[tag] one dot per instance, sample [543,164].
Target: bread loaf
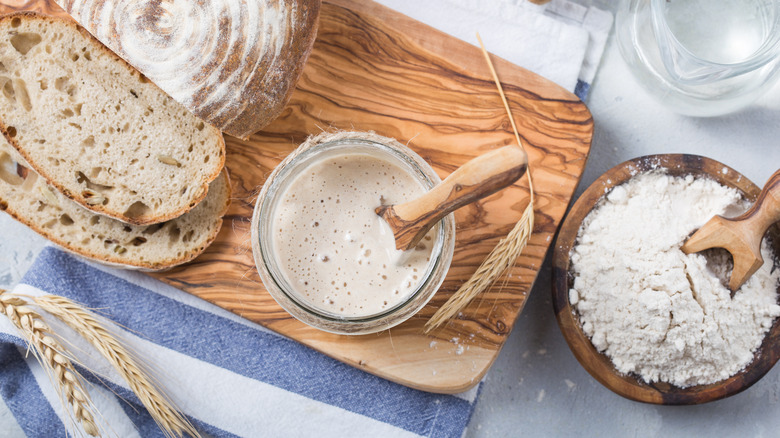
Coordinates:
[232,63]
[95,128]
[27,197]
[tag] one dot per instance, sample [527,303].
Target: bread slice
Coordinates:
[98,130]
[27,197]
[233,63]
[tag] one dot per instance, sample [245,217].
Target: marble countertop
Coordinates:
[537,387]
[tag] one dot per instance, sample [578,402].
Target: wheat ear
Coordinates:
[170,420]
[66,380]
[504,255]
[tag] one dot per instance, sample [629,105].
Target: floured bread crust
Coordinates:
[232,63]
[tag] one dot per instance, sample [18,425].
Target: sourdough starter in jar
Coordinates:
[331,246]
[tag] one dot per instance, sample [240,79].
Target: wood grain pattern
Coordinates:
[742,235]
[480,177]
[374,69]
[599,365]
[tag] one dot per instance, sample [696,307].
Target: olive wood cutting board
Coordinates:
[374,69]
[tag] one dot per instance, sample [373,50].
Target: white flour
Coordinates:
[655,311]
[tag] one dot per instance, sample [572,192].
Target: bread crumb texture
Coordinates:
[28,198]
[98,130]
[654,311]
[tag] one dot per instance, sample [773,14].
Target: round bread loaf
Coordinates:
[232,63]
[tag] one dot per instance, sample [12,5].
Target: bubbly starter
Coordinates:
[655,311]
[331,246]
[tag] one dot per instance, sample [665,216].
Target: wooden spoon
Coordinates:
[742,235]
[480,177]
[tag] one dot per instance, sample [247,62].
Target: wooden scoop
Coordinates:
[480,177]
[742,235]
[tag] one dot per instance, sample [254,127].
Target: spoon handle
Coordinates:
[766,210]
[480,177]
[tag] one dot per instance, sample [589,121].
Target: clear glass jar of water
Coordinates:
[702,57]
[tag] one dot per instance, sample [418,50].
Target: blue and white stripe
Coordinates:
[230,376]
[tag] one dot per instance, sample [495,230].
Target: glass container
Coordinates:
[701,57]
[283,291]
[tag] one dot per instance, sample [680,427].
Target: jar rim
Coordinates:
[276,283]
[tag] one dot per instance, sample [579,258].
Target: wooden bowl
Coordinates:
[599,365]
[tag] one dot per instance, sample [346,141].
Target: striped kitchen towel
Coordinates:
[228,375]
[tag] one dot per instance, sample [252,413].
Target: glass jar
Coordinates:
[268,266]
[701,58]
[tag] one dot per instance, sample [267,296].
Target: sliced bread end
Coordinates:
[97,129]
[26,196]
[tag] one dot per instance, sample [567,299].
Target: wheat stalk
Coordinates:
[504,255]
[49,353]
[168,418]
